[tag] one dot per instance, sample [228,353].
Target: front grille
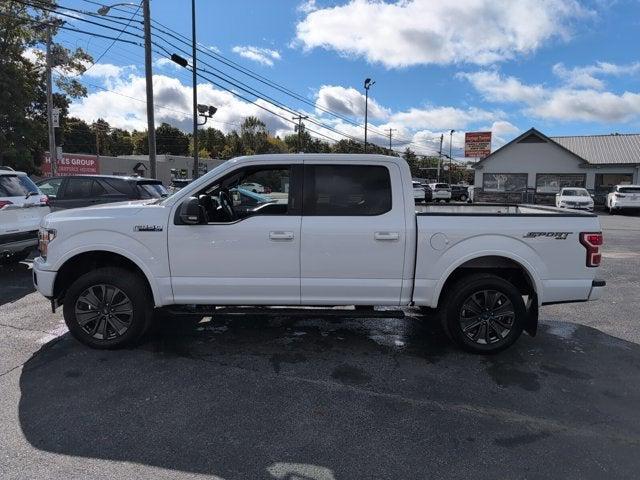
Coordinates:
[19,236]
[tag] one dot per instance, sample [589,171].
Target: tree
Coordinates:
[233,146]
[171,140]
[213,141]
[23,112]
[140,142]
[77,136]
[102,141]
[120,142]
[253,135]
[412,160]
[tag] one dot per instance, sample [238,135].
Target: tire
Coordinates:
[463,198]
[491,335]
[129,319]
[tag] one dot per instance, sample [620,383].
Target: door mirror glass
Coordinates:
[191,213]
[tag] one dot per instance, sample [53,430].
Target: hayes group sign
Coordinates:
[477,144]
[72,164]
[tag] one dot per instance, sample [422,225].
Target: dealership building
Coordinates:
[169,167]
[532,168]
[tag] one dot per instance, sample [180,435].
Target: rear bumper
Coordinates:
[597,289]
[17,242]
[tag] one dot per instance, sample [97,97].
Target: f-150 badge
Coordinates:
[556,235]
[147,228]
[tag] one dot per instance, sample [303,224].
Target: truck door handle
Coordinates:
[281,235]
[386,236]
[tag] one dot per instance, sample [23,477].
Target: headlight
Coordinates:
[45,235]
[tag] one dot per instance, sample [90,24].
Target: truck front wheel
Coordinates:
[483,313]
[108,308]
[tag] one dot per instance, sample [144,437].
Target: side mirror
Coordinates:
[191,212]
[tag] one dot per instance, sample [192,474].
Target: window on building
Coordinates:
[553,182]
[604,181]
[504,182]
[351,190]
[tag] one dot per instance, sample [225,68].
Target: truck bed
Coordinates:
[491,209]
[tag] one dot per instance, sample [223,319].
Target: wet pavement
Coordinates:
[239,397]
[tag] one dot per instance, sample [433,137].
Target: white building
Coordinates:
[533,167]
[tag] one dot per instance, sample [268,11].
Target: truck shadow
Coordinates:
[323,399]
[15,282]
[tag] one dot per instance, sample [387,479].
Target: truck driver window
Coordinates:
[346,190]
[247,192]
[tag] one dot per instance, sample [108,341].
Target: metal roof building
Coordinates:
[534,167]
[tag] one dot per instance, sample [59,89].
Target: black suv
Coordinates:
[460,193]
[76,191]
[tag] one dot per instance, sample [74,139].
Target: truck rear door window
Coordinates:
[346,190]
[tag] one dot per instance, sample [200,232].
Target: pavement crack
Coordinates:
[25,329]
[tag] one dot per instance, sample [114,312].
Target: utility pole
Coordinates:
[450,142]
[196,163]
[148,72]
[53,154]
[391,130]
[300,129]
[440,156]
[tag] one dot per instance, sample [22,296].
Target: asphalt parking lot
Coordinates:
[312,398]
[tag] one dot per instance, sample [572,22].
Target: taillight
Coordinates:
[592,241]
[4,203]
[44,201]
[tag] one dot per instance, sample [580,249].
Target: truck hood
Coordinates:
[108,210]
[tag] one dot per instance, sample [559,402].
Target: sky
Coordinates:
[565,67]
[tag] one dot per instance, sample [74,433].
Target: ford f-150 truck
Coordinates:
[343,231]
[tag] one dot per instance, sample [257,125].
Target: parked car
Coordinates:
[254,187]
[572,197]
[76,191]
[178,183]
[623,197]
[460,193]
[440,192]
[357,239]
[22,207]
[418,192]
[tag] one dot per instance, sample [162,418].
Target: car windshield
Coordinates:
[575,192]
[629,189]
[152,190]
[16,186]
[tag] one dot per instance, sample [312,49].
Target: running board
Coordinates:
[209,311]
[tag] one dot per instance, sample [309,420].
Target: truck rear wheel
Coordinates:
[108,308]
[483,313]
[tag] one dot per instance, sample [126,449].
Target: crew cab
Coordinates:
[574,197]
[623,197]
[345,231]
[22,208]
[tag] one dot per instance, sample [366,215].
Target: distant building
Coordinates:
[532,168]
[168,166]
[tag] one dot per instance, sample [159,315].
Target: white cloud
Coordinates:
[347,101]
[587,76]
[264,56]
[564,103]
[106,70]
[442,118]
[307,6]
[124,106]
[412,32]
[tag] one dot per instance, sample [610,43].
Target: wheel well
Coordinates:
[85,262]
[503,267]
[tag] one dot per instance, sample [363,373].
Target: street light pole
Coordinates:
[148,72]
[450,141]
[440,157]
[196,163]
[391,130]
[367,85]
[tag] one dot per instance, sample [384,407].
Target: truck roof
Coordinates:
[285,157]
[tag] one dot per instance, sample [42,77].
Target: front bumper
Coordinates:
[43,279]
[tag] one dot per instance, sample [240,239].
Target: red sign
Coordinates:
[72,164]
[477,144]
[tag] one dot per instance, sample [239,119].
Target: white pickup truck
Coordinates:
[344,231]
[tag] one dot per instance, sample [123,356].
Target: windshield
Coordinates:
[575,192]
[152,190]
[16,186]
